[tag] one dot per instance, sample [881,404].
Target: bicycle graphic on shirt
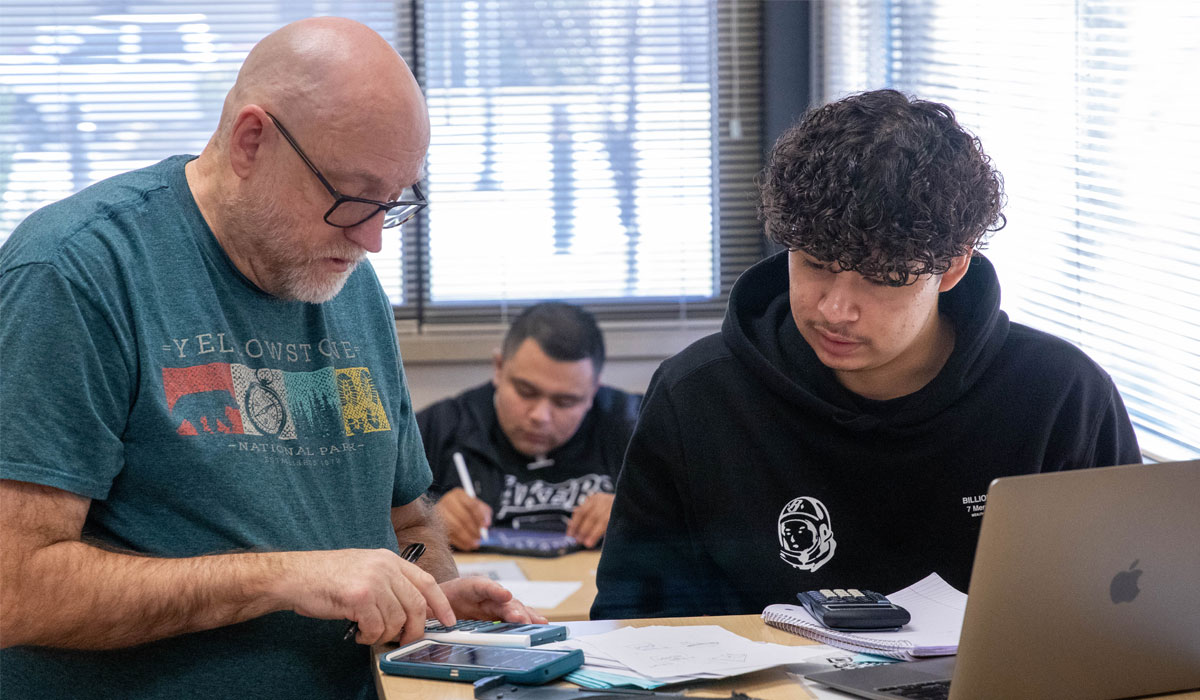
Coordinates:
[264,407]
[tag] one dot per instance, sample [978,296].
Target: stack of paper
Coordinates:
[649,657]
[937,615]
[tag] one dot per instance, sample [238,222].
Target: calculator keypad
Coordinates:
[477,626]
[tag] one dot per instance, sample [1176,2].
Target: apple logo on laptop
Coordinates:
[1124,586]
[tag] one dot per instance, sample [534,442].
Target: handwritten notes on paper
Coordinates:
[677,654]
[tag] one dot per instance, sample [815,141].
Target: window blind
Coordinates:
[93,89]
[597,150]
[601,151]
[1088,109]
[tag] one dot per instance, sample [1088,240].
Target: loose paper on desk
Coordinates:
[543,595]
[500,570]
[651,657]
[691,651]
[937,616]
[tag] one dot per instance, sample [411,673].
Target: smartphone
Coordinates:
[470,662]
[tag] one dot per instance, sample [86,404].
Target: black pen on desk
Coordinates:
[411,554]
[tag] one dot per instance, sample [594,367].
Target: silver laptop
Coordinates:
[1086,585]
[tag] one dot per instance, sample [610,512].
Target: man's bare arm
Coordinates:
[59,591]
[475,597]
[418,522]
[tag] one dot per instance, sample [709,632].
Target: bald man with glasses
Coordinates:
[214,475]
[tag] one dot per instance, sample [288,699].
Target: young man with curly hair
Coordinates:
[843,427]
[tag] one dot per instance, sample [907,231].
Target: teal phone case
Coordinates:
[563,662]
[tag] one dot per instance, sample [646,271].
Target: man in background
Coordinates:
[213,475]
[542,442]
[842,428]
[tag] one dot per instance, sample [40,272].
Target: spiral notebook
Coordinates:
[937,615]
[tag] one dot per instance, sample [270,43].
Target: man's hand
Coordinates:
[464,516]
[590,519]
[57,591]
[478,598]
[388,597]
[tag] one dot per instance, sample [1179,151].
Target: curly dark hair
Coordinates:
[888,187]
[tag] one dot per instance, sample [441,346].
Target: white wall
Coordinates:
[442,362]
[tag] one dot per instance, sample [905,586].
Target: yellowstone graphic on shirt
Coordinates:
[232,398]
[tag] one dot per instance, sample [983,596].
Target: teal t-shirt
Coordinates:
[139,368]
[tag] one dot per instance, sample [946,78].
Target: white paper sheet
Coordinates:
[799,660]
[506,570]
[701,651]
[543,595]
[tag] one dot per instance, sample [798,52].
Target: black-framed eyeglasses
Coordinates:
[348,211]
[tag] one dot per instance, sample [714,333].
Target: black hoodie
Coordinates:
[753,474]
[542,496]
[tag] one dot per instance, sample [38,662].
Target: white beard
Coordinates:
[287,269]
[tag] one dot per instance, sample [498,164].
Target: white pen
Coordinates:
[465,477]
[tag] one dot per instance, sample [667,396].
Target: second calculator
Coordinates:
[494,633]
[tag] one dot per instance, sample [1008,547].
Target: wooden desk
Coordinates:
[771,684]
[577,566]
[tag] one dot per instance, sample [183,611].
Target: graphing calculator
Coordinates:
[528,543]
[495,634]
[852,610]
